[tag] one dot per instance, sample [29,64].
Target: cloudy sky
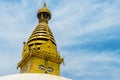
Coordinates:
[87,34]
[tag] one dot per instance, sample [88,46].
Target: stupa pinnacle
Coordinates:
[40,53]
[42,33]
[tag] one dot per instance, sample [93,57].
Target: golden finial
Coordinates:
[44,4]
[44,11]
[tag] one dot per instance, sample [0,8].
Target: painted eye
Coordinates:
[41,67]
[50,69]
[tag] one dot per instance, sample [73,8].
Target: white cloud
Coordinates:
[92,63]
[70,24]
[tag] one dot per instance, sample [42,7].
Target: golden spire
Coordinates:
[40,53]
[42,33]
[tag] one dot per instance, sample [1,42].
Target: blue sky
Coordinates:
[87,34]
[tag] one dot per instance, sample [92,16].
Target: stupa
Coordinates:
[40,58]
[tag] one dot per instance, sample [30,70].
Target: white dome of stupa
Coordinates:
[32,76]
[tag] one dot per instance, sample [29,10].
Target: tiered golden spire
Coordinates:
[42,33]
[40,53]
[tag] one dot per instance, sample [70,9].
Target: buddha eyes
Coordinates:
[48,69]
[41,67]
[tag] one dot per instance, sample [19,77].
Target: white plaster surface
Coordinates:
[32,76]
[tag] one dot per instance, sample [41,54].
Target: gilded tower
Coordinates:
[40,53]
